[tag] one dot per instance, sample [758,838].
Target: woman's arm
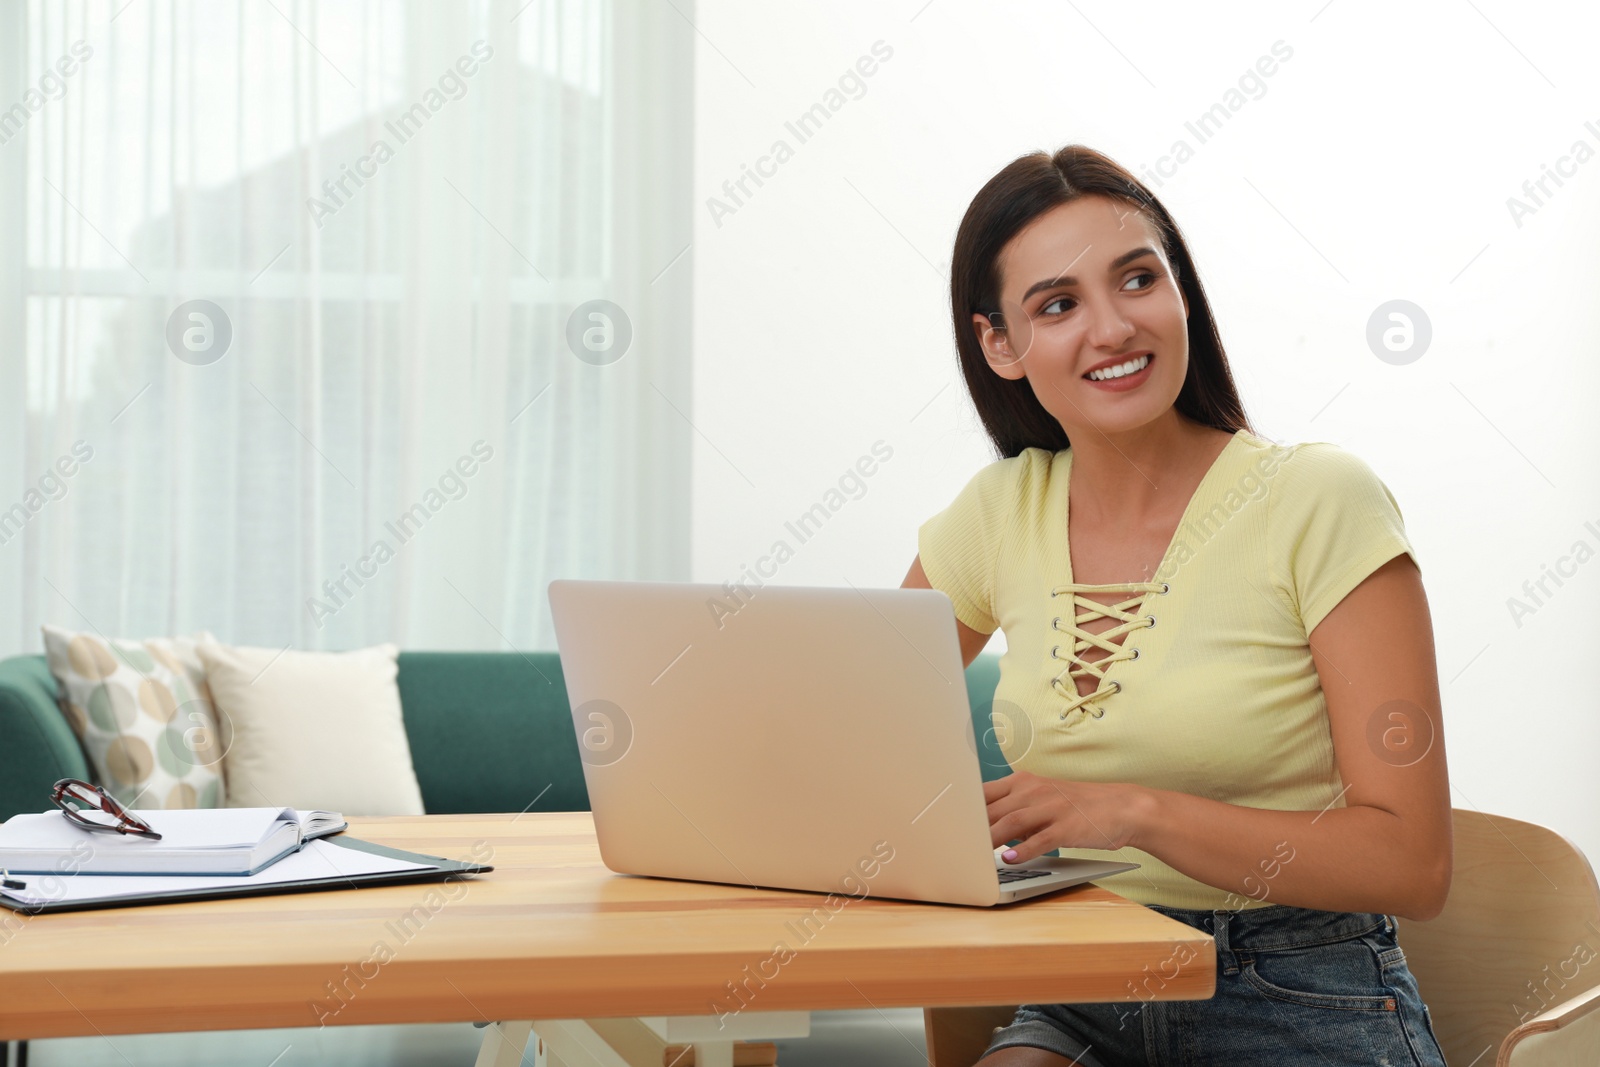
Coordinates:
[1388,850]
[972,641]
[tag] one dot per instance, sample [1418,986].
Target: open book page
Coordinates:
[180,828]
[193,841]
[317,823]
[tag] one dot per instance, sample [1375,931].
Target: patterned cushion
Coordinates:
[144,714]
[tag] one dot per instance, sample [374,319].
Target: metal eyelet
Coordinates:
[1134,656]
[1053,650]
[1099,713]
[1118,685]
[1152,619]
[1052,594]
[1166,587]
[1053,625]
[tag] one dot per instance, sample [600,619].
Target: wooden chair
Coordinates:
[1511,964]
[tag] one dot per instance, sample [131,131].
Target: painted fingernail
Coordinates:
[1009,855]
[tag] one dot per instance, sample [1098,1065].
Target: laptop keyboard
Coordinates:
[1017,876]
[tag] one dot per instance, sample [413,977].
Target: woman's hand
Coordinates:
[1049,813]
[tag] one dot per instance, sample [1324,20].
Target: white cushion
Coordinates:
[313,730]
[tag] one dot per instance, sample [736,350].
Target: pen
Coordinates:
[9,882]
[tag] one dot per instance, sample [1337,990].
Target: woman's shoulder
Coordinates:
[1311,471]
[1031,467]
[1003,487]
[1307,460]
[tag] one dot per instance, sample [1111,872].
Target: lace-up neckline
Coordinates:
[1066,682]
[1082,609]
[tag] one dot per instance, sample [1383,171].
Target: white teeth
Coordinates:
[1133,366]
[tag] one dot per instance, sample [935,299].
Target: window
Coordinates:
[313,287]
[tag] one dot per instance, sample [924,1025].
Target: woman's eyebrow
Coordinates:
[1065,279]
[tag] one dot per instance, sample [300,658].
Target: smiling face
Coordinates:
[1087,285]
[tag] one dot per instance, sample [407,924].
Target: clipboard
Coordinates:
[323,863]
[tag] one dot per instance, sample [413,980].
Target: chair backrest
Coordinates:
[1520,933]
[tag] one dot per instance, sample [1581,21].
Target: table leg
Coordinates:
[713,1054]
[574,1043]
[634,1042]
[503,1044]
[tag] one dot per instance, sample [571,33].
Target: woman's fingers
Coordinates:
[1031,848]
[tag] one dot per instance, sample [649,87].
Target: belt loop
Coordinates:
[1225,954]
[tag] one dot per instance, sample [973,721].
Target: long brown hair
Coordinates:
[1026,188]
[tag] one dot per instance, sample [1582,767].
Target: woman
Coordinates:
[1219,656]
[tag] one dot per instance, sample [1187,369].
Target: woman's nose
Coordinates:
[1108,326]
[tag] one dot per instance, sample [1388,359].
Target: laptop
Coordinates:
[803,738]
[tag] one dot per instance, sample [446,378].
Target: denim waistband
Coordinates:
[1278,926]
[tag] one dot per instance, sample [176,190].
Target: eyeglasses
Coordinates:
[87,806]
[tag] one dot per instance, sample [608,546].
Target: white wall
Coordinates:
[1376,165]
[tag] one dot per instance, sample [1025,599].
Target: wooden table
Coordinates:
[553,938]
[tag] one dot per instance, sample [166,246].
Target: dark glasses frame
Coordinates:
[69,791]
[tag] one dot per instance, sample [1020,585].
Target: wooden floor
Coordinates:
[892,1038]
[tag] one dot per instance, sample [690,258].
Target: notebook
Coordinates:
[210,841]
[327,863]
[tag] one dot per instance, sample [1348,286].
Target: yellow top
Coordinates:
[1214,692]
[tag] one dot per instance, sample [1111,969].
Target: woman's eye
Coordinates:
[1151,277]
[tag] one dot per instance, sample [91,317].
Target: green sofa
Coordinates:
[488,732]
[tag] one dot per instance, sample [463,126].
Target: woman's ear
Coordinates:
[996,345]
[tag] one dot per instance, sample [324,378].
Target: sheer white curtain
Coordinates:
[397,215]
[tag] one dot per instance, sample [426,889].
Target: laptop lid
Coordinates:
[790,737]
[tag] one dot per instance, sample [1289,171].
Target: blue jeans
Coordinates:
[1294,986]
